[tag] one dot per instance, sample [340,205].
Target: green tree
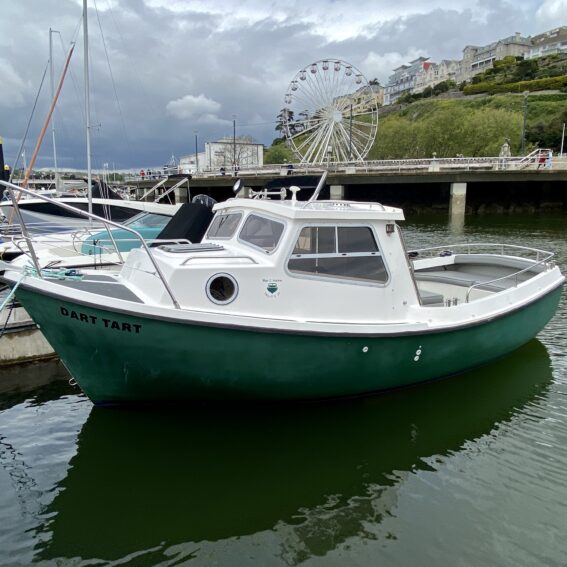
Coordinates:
[547,133]
[278,154]
[284,115]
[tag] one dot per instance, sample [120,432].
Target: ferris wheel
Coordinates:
[330,113]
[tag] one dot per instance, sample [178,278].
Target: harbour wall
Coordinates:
[528,197]
[470,193]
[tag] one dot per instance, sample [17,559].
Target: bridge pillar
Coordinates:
[337,192]
[181,194]
[458,204]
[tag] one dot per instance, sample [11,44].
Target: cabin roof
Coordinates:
[316,210]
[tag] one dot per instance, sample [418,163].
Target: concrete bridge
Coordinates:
[457,184]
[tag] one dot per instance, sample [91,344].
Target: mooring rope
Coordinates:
[12,291]
[12,305]
[60,274]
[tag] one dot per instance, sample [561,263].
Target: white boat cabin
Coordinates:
[319,261]
[289,259]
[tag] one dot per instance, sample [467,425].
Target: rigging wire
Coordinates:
[113,83]
[147,99]
[62,122]
[29,123]
[73,78]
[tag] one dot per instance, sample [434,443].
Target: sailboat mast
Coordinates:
[52,81]
[87,105]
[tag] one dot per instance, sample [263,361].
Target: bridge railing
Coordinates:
[538,159]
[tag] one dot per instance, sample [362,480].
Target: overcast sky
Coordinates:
[176,66]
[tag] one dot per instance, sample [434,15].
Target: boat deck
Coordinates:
[467,278]
[102,285]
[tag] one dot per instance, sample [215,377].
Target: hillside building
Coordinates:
[435,73]
[364,99]
[403,79]
[548,43]
[421,73]
[477,59]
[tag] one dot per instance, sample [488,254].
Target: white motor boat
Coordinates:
[42,216]
[289,300]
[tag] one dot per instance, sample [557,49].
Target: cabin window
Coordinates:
[352,239]
[261,232]
[224,225]
[316,240]
[347,252]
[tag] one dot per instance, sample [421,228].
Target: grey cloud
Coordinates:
[242,60]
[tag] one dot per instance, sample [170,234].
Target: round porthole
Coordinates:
[222,289]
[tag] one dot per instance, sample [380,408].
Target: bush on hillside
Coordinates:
[447,130]
[521,86]
[525,70]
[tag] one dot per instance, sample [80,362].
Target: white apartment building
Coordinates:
[548,43]
[229,152]
[403,79]
[221,154]
[421,73]
[192,163]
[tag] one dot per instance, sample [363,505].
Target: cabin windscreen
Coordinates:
[224,226]
[261,232]
[349,252]
[150,220]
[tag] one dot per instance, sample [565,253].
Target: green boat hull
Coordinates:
[117,358]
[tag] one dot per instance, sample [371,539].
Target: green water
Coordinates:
[467,471]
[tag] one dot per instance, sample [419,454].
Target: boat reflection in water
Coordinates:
[149,483]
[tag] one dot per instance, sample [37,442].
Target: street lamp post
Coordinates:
[196,153]
[525,122]
[234,142]
[350,135]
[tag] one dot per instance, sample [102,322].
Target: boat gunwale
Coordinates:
[421,330]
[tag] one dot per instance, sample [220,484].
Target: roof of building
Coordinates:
[418,60]
[550,36]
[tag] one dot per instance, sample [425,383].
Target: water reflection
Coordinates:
[315,475]
[41,381]
[457,224]
[540,231]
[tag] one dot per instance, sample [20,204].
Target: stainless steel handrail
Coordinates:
[107,223]
[201,257]
[470,245]
[514,275]
[537,262]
